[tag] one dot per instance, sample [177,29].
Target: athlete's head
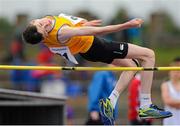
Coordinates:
[37,30]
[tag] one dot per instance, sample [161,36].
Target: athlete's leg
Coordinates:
[124,79]
[147,58]
[107,105]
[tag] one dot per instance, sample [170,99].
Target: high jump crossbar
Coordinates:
[56,68]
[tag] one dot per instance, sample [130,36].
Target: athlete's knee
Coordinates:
[152,54]
[149,55]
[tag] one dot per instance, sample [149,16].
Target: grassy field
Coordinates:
[165,55]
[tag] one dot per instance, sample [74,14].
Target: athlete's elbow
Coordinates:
[90,32]
[94,33]
[97,31]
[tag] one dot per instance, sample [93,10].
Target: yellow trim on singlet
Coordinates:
[76,44]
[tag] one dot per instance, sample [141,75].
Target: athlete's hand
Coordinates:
[93,23]
[135,22]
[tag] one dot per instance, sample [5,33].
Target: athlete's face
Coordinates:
[43,25]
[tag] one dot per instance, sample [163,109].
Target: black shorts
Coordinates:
[105,51]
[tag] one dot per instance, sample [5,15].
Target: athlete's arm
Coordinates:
[167,99]
[68,32]
[92,23]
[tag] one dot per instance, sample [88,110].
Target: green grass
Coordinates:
[165,55]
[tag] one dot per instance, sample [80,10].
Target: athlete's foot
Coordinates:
[106,111]
[153,112]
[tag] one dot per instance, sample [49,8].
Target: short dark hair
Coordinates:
[31,35]
[177,59]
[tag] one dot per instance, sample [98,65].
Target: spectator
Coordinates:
[44,58]
[171,95]
[17,49]
[22,79]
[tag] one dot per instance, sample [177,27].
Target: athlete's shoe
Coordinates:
[153,112]
[106,111]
